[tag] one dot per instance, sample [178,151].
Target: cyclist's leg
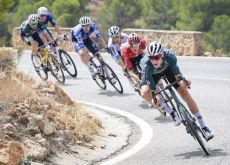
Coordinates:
[84,55]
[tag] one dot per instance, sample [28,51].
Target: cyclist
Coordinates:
[115,42]
[31,35]
[45,17]
[164,62]
[132,52]
[82,41]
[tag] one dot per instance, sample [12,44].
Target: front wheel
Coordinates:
[67,63]
[192,128]
[55,69]
[41,71]
[112,78]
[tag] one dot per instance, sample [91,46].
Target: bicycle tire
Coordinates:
[39,70]
[55,68]
[69,61]
[99,78]
[118,88]
[192,127]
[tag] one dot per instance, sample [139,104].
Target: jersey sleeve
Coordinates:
[126,58]
[77,36]
[51,19]
[173,62]
[96,30]
[147,78]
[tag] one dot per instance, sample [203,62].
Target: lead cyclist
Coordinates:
[163,62]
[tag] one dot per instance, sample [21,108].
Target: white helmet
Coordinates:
[33,18]
[42,10]
[154,48]
[114,31]
[84,20]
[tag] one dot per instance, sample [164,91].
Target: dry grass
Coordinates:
[16,89]
[6,58]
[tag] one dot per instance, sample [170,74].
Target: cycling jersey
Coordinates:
[169,68]
[128,54]
[115,49]
[49,18]
[26,30]
[79,37]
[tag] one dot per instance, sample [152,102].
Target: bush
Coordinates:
[217,39]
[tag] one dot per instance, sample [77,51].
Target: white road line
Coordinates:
[146,132]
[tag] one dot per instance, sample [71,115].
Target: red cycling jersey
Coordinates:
[127,53]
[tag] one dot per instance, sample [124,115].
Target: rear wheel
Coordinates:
[55,69]
[192,128]
[112,78]
[41,71]
[67,63]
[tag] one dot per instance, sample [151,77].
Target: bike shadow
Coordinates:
[200,153]
[162,119]
[110,93]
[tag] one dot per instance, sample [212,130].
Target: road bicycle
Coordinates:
[104,72]
[48,62]
[169,97]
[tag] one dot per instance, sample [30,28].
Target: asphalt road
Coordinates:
[170,145]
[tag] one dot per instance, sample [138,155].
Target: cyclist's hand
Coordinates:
[185,83]
[156,101]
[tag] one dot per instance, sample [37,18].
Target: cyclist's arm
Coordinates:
[147,78]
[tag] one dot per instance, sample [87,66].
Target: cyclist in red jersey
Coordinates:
[132,53]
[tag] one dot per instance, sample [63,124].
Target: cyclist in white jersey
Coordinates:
[115,42]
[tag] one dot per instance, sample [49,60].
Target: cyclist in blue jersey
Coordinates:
[82,41]
[45,17]
[163,62]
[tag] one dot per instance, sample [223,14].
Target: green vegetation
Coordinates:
[209,16]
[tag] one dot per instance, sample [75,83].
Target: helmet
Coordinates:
[154,48]
[42,10]
[134,38]
[114,31]
[33,19]
[84,20]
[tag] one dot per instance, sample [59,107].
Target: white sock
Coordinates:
[200,119]
[165,108]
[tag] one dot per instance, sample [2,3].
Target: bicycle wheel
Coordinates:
[55,69]
[67,63]
[191,126]
[40,70]
[112,78]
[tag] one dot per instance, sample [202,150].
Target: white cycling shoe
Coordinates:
[176,119]
[208,134]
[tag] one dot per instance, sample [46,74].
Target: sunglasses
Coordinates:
[156,58]
[43,15]
[85,26]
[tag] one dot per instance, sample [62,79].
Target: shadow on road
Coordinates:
[113,93]
[200,153]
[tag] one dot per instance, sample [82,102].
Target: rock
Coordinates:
[34,150]
[10,152]
[9,127]
[48,90]
[38,136]
[46,127]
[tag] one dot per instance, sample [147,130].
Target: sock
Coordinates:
[165,108]
[200,119]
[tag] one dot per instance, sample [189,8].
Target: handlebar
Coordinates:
[52,41]
[168,86]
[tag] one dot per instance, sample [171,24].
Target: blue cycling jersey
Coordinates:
[78,35]
[51,19]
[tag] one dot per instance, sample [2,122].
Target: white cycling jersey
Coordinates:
[116,48]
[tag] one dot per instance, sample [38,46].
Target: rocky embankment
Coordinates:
[38,120]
